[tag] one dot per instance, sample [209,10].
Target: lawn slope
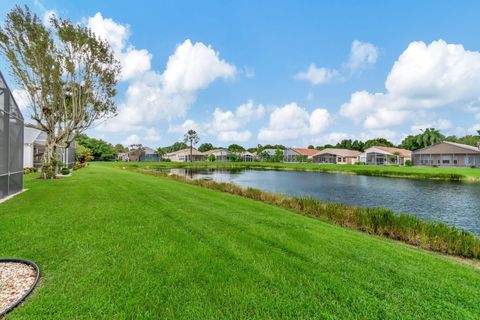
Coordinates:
[115,244]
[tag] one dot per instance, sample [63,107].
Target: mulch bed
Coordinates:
[16,280]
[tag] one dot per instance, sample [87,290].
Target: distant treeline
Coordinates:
[101,150]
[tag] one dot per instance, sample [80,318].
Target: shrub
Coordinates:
[79,165]
[434,166]
[29,170]
[65,171]
[473,167]
[48,171]
[408,163]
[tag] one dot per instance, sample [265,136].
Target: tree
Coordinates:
[83,154]
[278,157]
[119,148]
[212,158]
[410,143]
[235,148]
[192,138]
[429,137]
[311,146]
[69,76]
[205,147]
[100,150]
[381,142]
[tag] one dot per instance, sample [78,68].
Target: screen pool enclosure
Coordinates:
[11,143]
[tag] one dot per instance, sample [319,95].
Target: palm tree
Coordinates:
[191,137]
[429,137]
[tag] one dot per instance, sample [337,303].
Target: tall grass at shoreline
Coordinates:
[432,236]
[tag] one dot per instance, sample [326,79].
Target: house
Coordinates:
[268,154]
[220,154]
[149,155]
[298,154]
[336,156]
[184,155]
[247,156]
[378,155]
[447,154]
[11,143]
[123,156]
[34,148]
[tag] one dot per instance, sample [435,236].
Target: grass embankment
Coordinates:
[450,174]
[407,228]
[115,244]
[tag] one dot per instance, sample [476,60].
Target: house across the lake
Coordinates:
[336,156]
[378,155]
[184,155]
[298,154]
[220,154]
[447,154]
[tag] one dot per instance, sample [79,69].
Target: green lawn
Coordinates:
[115,244]
[466,174]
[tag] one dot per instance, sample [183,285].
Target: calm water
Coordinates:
[453,203]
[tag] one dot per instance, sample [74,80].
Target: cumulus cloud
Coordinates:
[184,127]
[152,135]
[316,75]
[131,139]
[361,55]
[134,62]
[425,76]
[151,96]
[229,125]
[292,121]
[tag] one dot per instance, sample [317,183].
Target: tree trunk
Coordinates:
[49,167]
[191,152]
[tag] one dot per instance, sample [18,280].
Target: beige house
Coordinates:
[336,156]
[184,155]
[447,154]
[378,155]
[220,154]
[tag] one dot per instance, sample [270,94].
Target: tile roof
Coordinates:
[403,152]
[340,152]
[305,151]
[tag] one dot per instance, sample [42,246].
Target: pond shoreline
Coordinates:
[466,175]
[432,236]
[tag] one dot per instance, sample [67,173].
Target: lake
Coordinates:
[453,203]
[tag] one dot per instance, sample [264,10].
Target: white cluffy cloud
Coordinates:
[151,96]
[361,55]
[230,125]
[134,62]
[424,77]
[292,121]
[317,75]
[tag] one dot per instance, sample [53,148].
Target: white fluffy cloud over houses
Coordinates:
[292,122]
[424,77]
[154,97]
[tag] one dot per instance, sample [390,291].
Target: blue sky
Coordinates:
[292,72]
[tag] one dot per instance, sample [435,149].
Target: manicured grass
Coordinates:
[455,174]
[115,244]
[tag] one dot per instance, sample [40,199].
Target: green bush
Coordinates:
[65,171]
[408,163]
[29,170]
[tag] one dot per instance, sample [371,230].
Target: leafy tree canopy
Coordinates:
[99,149]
